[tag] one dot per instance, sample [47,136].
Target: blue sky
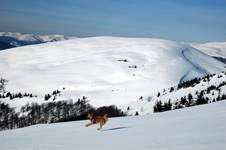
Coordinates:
[181,20]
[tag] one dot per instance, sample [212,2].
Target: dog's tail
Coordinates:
[106,117]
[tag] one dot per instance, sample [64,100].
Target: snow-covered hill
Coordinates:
[15,39]
[107,70]
[217,49]
[211,87]
[197,128]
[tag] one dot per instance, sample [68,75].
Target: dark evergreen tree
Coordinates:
[158,106]
[158,94]
[218,97]
[47,97]
[190,100]
[128,108]
[183,100]
[171,89]
[223,97]
[167,106]
[196,92]
[136,114]
[201,99]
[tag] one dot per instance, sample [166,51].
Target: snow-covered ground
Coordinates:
[195,128]
[145,106]
[107,70]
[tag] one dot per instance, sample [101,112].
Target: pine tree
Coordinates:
[158,106]
[11,97]
[167,106]
[136,114]
[47,97]
[190,97]
[201,99]
[218,98]
[171,89]
[183,100]
[190,100]
[158,94]
[8,94]
[223,97]
[128,108]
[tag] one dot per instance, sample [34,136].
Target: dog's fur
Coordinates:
[97,119]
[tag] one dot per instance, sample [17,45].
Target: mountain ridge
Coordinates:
[16,39]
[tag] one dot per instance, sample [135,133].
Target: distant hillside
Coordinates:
[14,39]
[215,49]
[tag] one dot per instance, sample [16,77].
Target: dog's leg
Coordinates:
[100,126]
[89,124]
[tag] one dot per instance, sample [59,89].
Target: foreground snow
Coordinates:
[107,70]
[197,128]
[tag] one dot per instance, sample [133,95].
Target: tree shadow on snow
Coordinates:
[117,128]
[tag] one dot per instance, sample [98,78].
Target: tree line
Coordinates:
[48,112]
[189,100]
[51,112]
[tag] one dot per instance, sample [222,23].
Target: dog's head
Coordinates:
[90,115]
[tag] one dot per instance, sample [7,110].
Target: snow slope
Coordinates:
[108,70]
[197,128]
[217,49]
[145,106]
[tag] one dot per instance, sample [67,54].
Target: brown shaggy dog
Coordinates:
[97,119]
